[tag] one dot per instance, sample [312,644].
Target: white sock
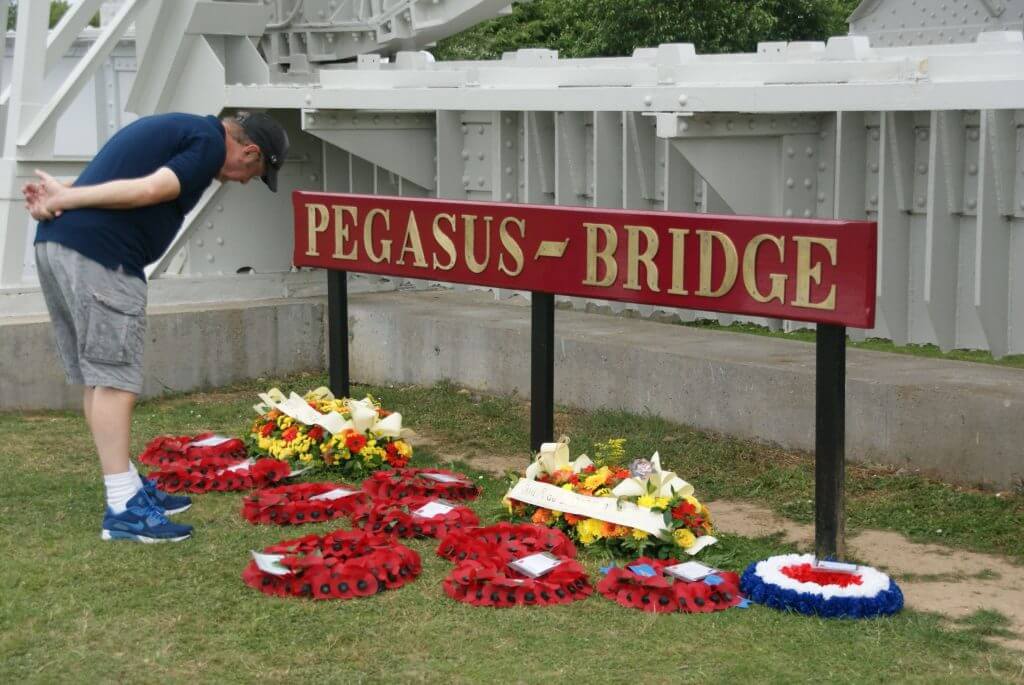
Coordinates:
[121,487]
[132,470]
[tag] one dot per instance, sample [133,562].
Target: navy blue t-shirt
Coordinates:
[191,146]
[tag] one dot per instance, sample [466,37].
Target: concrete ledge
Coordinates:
[186,349]
[958,420]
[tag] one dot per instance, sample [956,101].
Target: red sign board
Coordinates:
[800,269]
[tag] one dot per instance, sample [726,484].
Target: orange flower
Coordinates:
[273,414]
[608,529]
[561,476]
[572,519]
[541,517]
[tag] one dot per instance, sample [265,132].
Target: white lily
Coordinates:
[321,393]
[363,413]
[364,418]
[554,456]
[658,484]
[271,399]
[388,427]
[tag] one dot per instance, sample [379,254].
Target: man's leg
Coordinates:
[110,419]
[87,396]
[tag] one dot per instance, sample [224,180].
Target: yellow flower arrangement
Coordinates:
[370,433]
[686,520]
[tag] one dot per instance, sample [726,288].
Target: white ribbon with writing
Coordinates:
[608,509]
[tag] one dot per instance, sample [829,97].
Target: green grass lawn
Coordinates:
[76,609]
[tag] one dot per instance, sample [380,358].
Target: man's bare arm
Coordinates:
[53,197]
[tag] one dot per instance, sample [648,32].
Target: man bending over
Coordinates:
[93,241]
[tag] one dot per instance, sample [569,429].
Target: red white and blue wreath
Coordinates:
[796,582]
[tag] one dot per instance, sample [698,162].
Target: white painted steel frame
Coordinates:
[928,140]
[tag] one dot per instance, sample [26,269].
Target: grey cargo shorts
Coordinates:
[98,315]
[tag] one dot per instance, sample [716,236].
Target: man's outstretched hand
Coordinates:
[42,199]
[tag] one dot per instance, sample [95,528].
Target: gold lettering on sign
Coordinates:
[412,243]
[385,254]
[805,273]
[678,265]
[611,242]
[731,263]
[444,242]
[317,218]
[634,257]
[511,245]
[341,231]
[778,291]
[469,228]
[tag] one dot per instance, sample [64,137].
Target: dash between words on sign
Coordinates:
[769,266]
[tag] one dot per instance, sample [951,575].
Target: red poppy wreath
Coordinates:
[200,477]
[398,483]
[492,583]
[422,517]
[504,541]
[169,450]
[304,503]
[344,564]
[207,462]
[642,584]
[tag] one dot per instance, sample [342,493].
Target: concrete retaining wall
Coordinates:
[958,420]
[186,349]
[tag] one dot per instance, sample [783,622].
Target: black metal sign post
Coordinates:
[542,369]
[337,332]
[829,441]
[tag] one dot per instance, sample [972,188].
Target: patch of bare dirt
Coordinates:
[952,582]
[489,462]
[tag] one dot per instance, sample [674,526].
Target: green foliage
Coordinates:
[57,10]
[593,28]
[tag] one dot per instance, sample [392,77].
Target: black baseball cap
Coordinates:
[272,140]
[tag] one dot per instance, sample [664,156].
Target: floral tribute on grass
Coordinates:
[627,511]
[492,583]
[304,503]
[643,584]
[347,436]
[341,565]
[419,517]
[207,462]
[801,583]
[504,541]
[399,483]
[170,450]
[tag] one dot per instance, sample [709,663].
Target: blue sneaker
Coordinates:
[171,504]
[142,521]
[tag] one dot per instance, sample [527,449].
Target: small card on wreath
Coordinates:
[835,566]
[270,563]
[438,507]
[690,571]
[535,565]
[211,441]
[241,466]
[336,493]
[442,478]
